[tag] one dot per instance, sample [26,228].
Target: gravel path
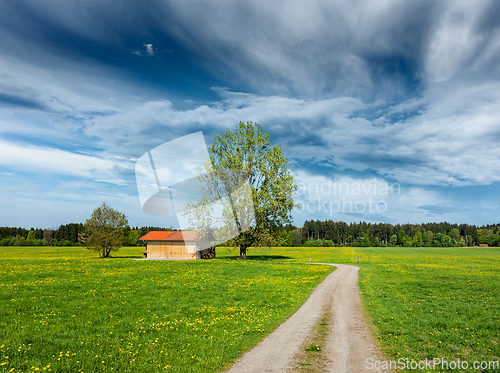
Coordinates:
[348,345]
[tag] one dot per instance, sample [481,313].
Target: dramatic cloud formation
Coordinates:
[393,91]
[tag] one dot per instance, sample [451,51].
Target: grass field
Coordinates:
[425,303]
[65,310]
[435,303]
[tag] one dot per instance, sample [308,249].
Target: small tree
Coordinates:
[402,238]
[104,230]
[133,237]
[455,234]
[31,235]
[417,240]
[296,237]
[47,237]
[394,240]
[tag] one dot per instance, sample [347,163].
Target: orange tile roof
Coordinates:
[169,236]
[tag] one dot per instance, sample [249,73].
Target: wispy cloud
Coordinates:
[441,139]
[38,159]
[402,91]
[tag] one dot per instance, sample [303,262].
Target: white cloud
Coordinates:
[450,142]
[457,45]
[149,49]
[73,203]
[38,159]
[63,92]
[158,121]
[341,197]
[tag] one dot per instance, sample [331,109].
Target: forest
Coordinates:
[312,233]
[362,234]
[66,235]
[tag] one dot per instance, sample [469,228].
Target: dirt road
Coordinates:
[348,344]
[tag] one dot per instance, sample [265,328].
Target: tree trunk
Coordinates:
[243,251]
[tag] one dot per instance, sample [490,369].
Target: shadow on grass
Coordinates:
[121,257]
[256,257]
[128,257]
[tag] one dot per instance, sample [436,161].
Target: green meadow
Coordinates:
[435,303]
[424,303]
[65,310]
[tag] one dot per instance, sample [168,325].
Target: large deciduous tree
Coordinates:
[246,152]
[104,230]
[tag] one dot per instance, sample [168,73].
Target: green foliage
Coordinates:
[443,240]
[402,238]
[265,239]
[104,230]
[285,239]
[417,240]
[319,243]
[47,236]
[428,238]
[31,235]
[417,234]
[314,243]
[246,148]
[5,242]
[361,242]
[296,237]
[494,240]
[133,237]
[394,240]
[454,234]
[71,232]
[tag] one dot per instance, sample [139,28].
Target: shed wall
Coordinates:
[171,249]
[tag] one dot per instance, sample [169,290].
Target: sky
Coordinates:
[388,111]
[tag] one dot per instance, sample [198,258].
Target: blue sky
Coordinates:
[359,94]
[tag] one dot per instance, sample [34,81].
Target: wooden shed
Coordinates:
[173,245]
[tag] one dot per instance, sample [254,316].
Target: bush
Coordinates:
[319,243]
[5,242]
[315,243]
[361,242]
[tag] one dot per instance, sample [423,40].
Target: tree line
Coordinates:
[339,233]
[313,233]
[71,234]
